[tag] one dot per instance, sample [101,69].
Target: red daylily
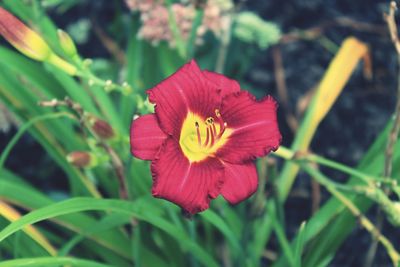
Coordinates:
[204,137]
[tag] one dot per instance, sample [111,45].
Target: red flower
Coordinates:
[204,137]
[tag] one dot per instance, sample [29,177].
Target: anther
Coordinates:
[209,121]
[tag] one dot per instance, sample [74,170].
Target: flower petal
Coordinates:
[146,137]
[226,85]
[241,181]
[189,185]
[254,125]
[186,90]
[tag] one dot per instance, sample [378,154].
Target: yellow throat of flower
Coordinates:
[201,138]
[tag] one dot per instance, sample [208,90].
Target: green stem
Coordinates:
[62,64]
[288,154]
[88,184]
[364,221]
[280,234]
[24,128]
[180,45]
[193,33]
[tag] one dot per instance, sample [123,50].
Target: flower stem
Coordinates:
[363,220]
[394,132]
[288,154]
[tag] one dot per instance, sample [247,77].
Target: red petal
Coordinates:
[226,85]
[241,181]
[189,185]
[146,137]
[186,90]
[254,124]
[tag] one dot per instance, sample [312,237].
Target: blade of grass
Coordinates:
[332,84]
[364,221]
[219,223]
[299,244]
[133,73]
[29,198]
[12,214]
[31,70]
[263,228]
[106,223]
[193,32]
[20,102]
[51,262]
[141,212]
[281,236]
[329,227]
[180,44]
[24,128]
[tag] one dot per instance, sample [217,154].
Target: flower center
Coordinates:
[201,138]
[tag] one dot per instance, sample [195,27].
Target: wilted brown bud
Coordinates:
[80,159]
[102,128]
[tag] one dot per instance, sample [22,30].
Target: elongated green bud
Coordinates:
[67,44]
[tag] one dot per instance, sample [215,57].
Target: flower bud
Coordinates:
[80,159]
[23,38]
[29,42]
[67,44]
[101,128]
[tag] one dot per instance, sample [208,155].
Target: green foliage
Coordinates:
[90,225]
[252,29]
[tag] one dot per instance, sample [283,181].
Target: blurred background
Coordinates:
[281,48]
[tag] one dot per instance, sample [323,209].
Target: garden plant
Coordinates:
[164,152]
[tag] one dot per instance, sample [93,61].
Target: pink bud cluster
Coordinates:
[155,19]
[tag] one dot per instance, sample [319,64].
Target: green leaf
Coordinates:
[51,262]
[250,28]
[141,211]
[219,223]
[299,244]
[29,198]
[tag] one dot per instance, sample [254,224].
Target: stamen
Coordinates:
[207,137]
[222,124]
[212,135]
[214,130]
[209,120]
[198,133]
[222,130]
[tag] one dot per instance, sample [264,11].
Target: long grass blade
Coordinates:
[85,204]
